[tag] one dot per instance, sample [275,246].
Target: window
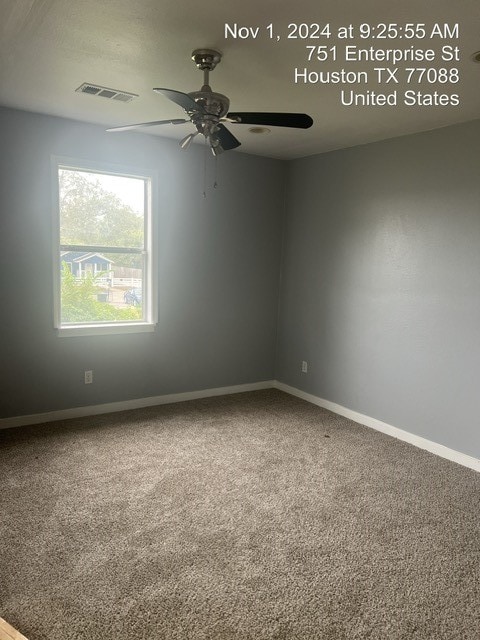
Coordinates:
[104,263]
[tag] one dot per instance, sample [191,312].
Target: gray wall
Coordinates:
[381,282]
[218,272]
[380,278]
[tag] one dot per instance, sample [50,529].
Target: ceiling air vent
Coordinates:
[105,92]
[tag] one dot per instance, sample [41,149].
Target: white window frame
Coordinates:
[149,250]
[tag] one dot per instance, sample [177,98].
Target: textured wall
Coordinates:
[380,288]
[218,272]
[381,282]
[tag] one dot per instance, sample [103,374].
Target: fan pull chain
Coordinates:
[215,181]
[205,169]
[215,184]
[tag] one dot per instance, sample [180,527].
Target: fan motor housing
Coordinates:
[214,104]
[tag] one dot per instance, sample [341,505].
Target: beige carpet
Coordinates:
[254,516]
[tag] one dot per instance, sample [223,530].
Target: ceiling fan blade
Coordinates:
[182,99]
[297,120]
[227,140]
[149,124]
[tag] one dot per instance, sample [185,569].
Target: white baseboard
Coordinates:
[422,443]
[138,403]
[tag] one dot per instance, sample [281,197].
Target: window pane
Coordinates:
[101,287]
[101,209]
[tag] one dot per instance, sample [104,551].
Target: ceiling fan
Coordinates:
[207,110]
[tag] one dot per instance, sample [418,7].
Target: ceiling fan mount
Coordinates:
[207,110]
[206,58]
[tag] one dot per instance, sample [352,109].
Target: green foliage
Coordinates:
[80,304]
[91,215]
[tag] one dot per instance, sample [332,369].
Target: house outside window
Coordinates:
[104,266]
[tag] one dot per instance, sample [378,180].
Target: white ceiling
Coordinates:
[50,47]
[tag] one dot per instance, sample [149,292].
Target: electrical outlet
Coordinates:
[88,377]
[304,366]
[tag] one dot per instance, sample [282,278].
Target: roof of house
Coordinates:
[80,256]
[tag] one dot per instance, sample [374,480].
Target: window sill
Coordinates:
[104,329]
